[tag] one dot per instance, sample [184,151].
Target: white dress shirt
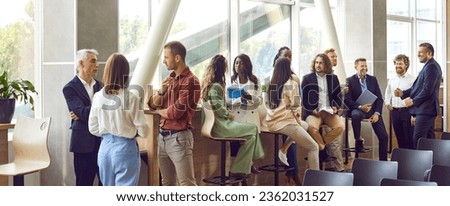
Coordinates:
[324,102]
[111,114]
[403,82]
[89,87]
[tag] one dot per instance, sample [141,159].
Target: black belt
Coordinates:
[399,108]
[169,132]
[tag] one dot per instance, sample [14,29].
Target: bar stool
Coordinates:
[349,149]
[276,167]
[207,126]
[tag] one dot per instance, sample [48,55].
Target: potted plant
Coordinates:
[10,91]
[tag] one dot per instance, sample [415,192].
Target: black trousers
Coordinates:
[424,128]
[86,167]
[401,122]
[378,127]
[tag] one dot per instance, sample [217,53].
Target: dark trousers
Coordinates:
[401,122]
[86,167]
[424,128]
[234,148]
[378,127]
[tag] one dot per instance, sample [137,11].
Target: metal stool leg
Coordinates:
[223,160]
[276,160]
[346,141]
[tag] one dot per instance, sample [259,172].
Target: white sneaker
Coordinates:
[283,158]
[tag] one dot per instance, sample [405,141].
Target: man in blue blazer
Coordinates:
[356,85]
[423,97]
[78,94]
[321,100]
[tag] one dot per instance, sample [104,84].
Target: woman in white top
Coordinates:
[283,114]
[245,108]
[116,116]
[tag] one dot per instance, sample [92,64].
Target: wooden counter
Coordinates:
[4,149]
[150,145]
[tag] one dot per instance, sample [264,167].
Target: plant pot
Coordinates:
[7,107]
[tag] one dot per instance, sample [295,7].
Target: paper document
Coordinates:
[366,97]
[327,109]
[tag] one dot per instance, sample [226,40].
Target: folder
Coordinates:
[366,97]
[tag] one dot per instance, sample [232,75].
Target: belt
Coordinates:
[169,132]
[399,108]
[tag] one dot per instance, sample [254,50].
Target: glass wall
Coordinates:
[399,42]
[263,29]
[17,43]
[204,32]
[17,38]
[133,26]
[311,35]
[411,22]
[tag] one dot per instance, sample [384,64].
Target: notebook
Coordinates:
[366,97]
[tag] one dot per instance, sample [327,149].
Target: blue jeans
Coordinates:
[119,161]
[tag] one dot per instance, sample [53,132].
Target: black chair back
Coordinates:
[397,182]
[412,164]
[327,178]
[371,172]
[440,148]
[440,174]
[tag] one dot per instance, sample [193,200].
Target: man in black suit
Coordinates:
[356,85]
[78,94]
[321,100]
[423,97]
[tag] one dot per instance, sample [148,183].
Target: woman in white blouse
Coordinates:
[116,116]
[245,108]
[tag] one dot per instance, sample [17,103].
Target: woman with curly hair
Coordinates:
[213,87]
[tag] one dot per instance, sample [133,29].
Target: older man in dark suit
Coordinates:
[423,97]
[78,94]
[356,85]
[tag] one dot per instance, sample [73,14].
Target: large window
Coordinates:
[411,22]
[204,32]
[264,28]
[17,43]
[399,42]
[17,38]
[133,25]
[311,34]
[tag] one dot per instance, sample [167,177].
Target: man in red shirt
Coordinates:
[176,102]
